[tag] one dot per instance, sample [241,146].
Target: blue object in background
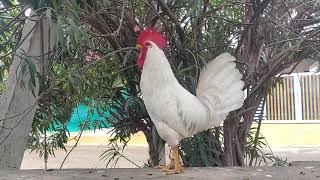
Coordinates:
[79,115]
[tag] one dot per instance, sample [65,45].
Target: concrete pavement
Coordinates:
[88,157]
[235,173]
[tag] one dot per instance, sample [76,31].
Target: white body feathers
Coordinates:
[177,113]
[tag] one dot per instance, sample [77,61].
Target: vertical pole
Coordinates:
[297,96]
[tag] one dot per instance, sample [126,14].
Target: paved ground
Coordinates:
[88,157]
[263,173]
[85,157]
[298,153]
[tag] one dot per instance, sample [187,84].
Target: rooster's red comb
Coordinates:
[152,35]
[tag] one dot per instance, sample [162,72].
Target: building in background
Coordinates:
[291,115]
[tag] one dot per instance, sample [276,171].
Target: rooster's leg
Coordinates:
[176,167]
[165,168]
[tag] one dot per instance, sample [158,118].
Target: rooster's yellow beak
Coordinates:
[139,46]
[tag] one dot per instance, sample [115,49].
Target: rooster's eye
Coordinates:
[148,44]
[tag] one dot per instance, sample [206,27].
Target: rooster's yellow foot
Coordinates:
[164,168]
[177,170]
[175,164]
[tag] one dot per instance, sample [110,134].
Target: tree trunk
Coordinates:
[227,136]
[159,145]
[248,51]
[156,148]
[18,104]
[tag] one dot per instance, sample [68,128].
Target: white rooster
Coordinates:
[175,112]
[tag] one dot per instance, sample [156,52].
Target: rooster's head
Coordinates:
[144,39]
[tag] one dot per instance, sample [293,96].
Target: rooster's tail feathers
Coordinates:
[220,87]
